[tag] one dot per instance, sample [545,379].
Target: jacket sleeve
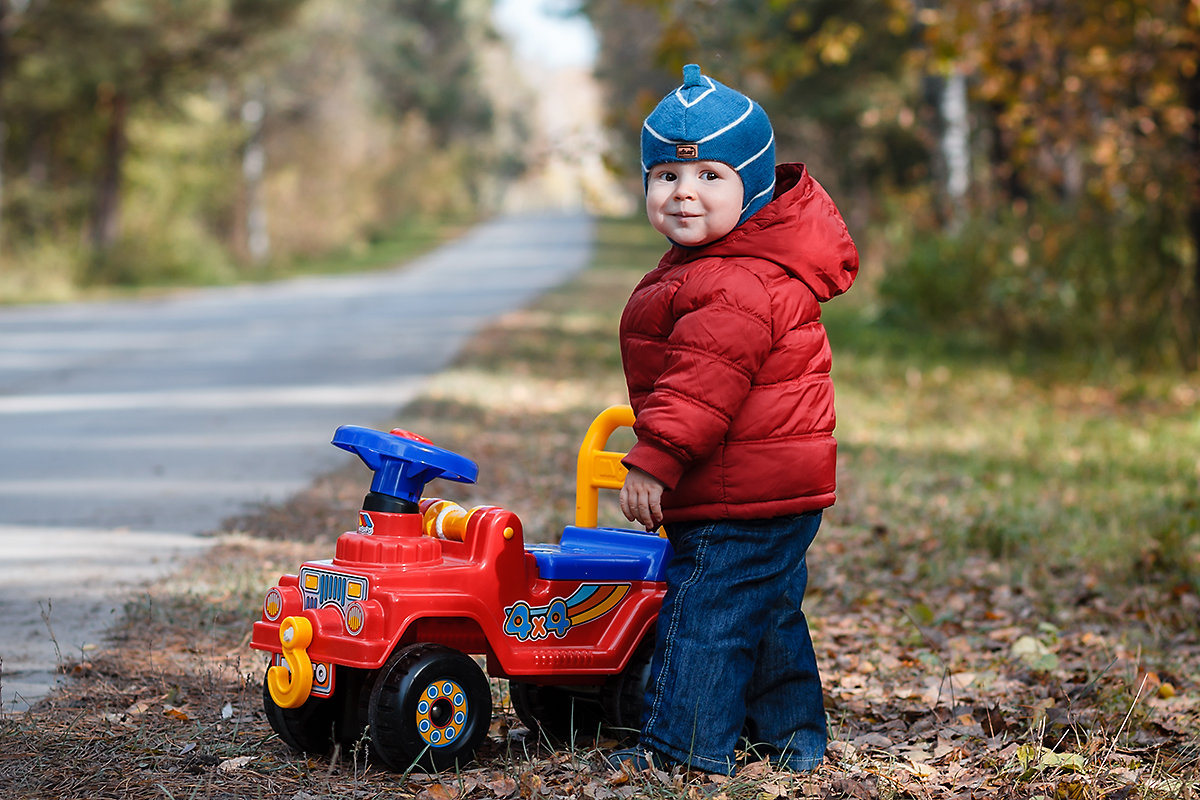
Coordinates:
[721,336]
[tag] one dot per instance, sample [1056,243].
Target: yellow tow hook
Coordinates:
[290,686]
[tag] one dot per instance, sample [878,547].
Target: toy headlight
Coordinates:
[273,605]
[356,618]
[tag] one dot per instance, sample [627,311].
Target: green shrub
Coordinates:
[180,253]
[45,270]
[1095,283]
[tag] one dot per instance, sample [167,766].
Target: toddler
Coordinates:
[728,369]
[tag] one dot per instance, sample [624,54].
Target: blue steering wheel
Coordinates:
[403,466]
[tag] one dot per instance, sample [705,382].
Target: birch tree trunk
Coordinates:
[955,145]
[254,159]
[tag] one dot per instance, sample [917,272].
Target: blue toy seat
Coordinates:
[603,554]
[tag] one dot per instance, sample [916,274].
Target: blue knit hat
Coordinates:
[704,120]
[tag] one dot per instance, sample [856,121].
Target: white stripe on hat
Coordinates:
[657,135]
[749,203]
[755,157]
[686,104]
[711,136]
[734,124]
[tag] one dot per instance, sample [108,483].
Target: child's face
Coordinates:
[693,203]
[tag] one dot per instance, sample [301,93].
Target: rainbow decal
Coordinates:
[589,602]
[594,600]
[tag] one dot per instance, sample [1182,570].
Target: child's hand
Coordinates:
[641,499]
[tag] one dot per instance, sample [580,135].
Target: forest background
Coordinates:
[1020,174]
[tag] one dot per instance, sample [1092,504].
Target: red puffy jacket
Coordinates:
[727,362]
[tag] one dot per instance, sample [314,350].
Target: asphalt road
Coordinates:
[128,428]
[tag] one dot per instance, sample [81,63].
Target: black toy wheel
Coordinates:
[625,693]
[307,729]
[431,707]
[314,727]
[560,713]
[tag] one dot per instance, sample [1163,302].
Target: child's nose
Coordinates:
[685,189]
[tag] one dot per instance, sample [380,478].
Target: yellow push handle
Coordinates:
[598,468]
[290,686]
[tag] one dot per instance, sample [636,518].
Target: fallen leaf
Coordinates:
[873,739]
[849,789]
[1035,757]
[230,764]
[1070,790]
[991,718]
[175,713]
[1033,654]
[1147,683]
[502,787]
[438,791]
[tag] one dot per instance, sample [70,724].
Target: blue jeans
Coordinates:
[733,652]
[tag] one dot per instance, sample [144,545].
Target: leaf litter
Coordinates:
[972,687]
[965,681]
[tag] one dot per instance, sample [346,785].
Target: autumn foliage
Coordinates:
[1042,154]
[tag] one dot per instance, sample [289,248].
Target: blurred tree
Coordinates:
[49,99]
[1094,107]
[827,71]
[383,112]
[425,57]
[1065,132]
[629,65]
[194,118]
[6,19]
[81,68]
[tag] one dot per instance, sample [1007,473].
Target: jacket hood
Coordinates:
[801,230]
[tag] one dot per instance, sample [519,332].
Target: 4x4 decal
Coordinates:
[590,601]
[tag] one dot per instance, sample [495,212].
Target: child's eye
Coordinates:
[666,176]
[709,175]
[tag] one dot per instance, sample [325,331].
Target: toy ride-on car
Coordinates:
[376,644]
